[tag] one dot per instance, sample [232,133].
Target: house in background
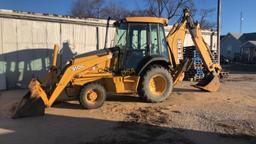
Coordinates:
[248,52]
[239,47]
[230,46]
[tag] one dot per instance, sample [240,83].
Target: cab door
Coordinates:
[158,45]
[137,46]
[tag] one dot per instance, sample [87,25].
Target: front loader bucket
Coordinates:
[210,83]
[30,105]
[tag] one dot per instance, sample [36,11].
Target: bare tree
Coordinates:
[204,21]
[99,9]
[167,8]
[170,9]
[114,10]
[87,8]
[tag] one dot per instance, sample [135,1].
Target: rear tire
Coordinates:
[92,96]
[156,85]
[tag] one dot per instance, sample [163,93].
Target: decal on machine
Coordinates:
[180,49]
[78,67]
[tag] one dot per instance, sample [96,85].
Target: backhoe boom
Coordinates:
[175,40]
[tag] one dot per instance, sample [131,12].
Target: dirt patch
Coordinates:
[164,125]
[133,132]
[198,118]
[239,127]
[144,134]
[189,116]
[148,115]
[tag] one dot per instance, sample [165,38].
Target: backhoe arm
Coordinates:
[175,40]
[202,47]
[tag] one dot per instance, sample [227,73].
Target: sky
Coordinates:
[230,22]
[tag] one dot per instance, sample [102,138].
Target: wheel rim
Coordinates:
[92,96]
[157,84]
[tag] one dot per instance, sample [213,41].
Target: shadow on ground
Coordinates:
[124,98]
[188,90]
[66,104]
[54,129]
[74,103]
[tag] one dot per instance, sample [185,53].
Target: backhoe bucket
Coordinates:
[210,83]
[31,104]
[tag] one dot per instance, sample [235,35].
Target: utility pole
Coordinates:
[241,21]
[218,31]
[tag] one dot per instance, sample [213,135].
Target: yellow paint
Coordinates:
[204,50]
[91,96]
[55,55]
[175,39]
[163,21]
[179,78]
[157,85]
[121,84]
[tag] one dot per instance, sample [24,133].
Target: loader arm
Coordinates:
[90,68]
[77,66]
[175,40]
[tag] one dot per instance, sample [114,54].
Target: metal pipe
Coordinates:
[106,37]
[218,31]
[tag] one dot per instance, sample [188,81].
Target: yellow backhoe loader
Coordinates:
[143,62]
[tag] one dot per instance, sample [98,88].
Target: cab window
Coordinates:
[137,44]
[120,39]
[163,43]
[137,36]
[154,39]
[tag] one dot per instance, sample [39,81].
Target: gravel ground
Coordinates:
[189,116]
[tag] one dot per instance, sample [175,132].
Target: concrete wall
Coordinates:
[26,42]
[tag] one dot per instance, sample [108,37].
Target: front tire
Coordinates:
[157,84]
[92,96]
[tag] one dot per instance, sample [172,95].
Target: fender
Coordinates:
[150,60]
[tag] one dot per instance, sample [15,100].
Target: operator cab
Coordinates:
[140,38]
